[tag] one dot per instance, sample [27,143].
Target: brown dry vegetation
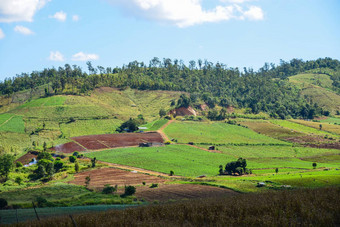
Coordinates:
[304,207]
[166,192]
[96,142]
[112,176]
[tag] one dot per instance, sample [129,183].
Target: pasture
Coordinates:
[331,128]
[300,128]
[216,133]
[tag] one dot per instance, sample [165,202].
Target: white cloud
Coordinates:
[254,13]
[56,56]
[237,1]
[184,13]
[84,57]
[2,34]
[75,17]
[19,10]
[60,16]
[23,30]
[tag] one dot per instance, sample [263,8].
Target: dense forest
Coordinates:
[267,89]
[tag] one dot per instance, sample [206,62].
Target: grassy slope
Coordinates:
[335,129]
[99,113]
[216,133]
[317,88]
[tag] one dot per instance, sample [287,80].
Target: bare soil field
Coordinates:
[106,141]
[68,148]
[113,176]
[25,159]
[97,142]
[166,192]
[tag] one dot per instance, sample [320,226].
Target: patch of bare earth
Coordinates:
[113,176]
[25,159]
[167,192]
[97,142]
[68,147]
[106,141]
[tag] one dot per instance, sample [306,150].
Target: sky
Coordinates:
[38,34]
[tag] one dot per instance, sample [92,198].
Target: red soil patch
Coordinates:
[181,191]
[113,176]
[25,159]
[68,148]
[96,142]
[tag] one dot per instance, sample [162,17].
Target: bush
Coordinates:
[76,154]
[72,159]
[19,164]
[154,186]
[167,142]
[41,201]
[171,173]
[129,190]
[3,203]
[108,189]
[45,155]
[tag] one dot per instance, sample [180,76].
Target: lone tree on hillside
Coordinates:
[314,165]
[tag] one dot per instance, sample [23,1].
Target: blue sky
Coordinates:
[37,34]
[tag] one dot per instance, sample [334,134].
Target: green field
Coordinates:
[90,127]
[331,128]
[183,160]
[216,133]
[331,120]
[13,124]
[270,129]
[189,161]
[300,128]
[50,101]
[155,125]
[274,151]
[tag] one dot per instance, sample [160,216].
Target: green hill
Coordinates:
[318,89]
[56,118]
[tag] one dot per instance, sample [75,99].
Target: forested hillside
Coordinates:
[267,90]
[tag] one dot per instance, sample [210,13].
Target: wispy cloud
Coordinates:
[184,13]
[2,34]
[19,10]
[23,30]
[60,16]
[56,56]
[75,17]
[84,57]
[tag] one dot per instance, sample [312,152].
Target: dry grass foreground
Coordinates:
[304,207]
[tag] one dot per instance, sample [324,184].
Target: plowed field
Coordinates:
[106,141]
[181,191]
[112,176]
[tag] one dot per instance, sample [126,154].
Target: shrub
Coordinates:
[314,165]
[3,203]
[154,186]
[108,189]
[72,159]
[18,180]
[129,190]
[18,164]
[76,167]
[171,173]
[41,201]
[143,183]
[44,155]
[58,165]
[75,154]
[167,142]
